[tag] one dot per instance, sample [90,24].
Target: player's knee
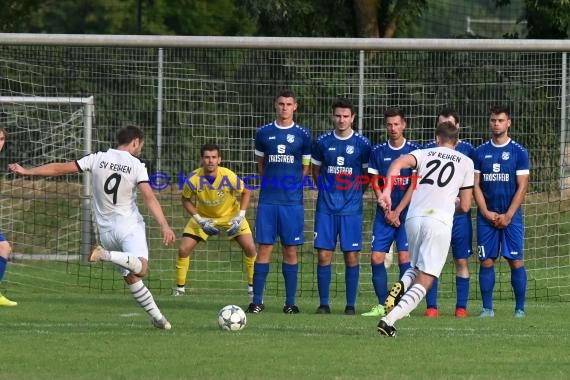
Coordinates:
[377,258]
[143,268]
[515,264]
[250,251]
[487,263]
[184,252]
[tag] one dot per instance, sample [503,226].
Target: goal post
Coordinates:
[87,105]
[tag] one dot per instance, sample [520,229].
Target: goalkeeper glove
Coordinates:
[236,223]
[207,225]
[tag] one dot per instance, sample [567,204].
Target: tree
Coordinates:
[333,18]
[545,19]
[301,18]
[394,15]
[160,17]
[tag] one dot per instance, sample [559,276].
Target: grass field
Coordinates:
[76,321]
[77,335]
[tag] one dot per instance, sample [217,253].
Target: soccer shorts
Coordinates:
[348,229]
[383,234]
[509,240]
[131,239]
[429,240]
[462,236]
[285,221]
[193,228]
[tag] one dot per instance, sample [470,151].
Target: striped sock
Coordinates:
[144,298]
[407,304]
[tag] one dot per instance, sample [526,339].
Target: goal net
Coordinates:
[186,96]
[48,221]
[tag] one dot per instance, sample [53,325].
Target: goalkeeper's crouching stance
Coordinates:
[210,196]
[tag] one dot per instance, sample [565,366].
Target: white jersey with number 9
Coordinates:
[115,176]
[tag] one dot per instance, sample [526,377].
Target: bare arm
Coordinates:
[393,217]
[47,170]
[480,200]
[403,162]
[260,165]
[244,200]
[189,206]
[316,171]
[154,207]
[465,197]
[407,197]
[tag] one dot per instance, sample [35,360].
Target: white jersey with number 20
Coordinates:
[442,172]
[115,176]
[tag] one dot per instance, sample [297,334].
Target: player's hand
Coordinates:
[385,201]
[392,218]
[168,236]
[502,221]
[16,168]
[236,225]
[492,217]
[207,225]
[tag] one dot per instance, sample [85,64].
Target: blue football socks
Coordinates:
[290,273]
[260,272]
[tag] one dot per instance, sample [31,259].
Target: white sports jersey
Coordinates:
[115,176]
[442,172]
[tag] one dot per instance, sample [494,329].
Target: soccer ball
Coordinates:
[231,318]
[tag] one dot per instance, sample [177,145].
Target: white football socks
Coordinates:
[409,277]
[410,300]
[126,260]
[144,298]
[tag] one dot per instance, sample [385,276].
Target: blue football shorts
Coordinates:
[509,240]
[348,229]
[462,236]
[383,234]
[285,221]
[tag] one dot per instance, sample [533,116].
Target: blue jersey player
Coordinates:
[461,237]
[501,180]
[283,155]
[389,225]
[5,248]
[340,161]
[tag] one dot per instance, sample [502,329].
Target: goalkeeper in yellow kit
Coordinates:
[210,196]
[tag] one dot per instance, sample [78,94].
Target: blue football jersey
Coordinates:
[343,161]
[498,167]
[283,151]
[381,157]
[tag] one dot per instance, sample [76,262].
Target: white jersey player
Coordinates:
[116,176]
[442,173]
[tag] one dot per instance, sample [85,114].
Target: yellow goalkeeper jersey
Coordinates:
[214,197]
